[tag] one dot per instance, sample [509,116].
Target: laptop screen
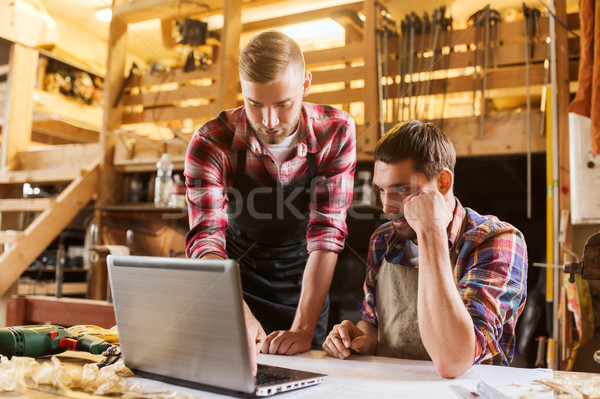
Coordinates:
[182,318]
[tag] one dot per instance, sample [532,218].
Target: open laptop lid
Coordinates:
[182,318]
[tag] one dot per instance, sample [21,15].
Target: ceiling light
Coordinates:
[104,15]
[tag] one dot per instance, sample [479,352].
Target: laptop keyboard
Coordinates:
[264,377]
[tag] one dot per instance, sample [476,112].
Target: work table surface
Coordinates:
[358,377]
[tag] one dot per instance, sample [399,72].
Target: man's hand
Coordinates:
[427,210]
[287,342]
[345,338]
[256,336]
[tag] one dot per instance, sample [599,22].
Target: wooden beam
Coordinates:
[501,78]
[18,112]
[229,56]
[173,75]
[25,204]
[143,10]
[145,165]
[343,96]
[366,142]
[153,145]
[71,155]
[113,115]
[61,108]
[52,175]
[65,131]
[153,115]
[66,312]
[504,134]
[10,236]
[346,75]
[187,92]
[308,16]
[46,226]
[349,53]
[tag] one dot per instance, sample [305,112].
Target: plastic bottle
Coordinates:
[163,181]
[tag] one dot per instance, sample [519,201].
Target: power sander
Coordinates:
[41,340]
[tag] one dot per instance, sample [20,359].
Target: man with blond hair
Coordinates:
[269,184]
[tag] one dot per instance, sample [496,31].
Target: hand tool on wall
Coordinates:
[474,21]
[388,28]
[424,29]
[486,46]
[411,55]
[132,72]
[437,25]
[378,51]
[495,19]
[447,26]
[526,30]
[402,66]
[42,340]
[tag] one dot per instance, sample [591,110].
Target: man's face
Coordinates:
[396,183]
[274,109]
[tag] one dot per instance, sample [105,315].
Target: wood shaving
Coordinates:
[22,373]
[573,387]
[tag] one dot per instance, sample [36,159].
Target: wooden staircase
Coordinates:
[75,165]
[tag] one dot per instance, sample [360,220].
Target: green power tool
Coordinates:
[34,341]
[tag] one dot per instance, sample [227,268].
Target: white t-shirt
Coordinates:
[411,250]
[281,151]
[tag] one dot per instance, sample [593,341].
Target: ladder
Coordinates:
[77,166]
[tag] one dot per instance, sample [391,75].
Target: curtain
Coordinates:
[587,100]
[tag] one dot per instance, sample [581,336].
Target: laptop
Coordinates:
[181,321]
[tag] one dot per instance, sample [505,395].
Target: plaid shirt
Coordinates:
[211,163]
[490,275]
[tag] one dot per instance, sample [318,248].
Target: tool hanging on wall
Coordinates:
[482,21]
[383,26]
[448,30]
[423,40]
[389,29]
[437,26]
[402,50]
[531,34]
[412,27]
[424,29]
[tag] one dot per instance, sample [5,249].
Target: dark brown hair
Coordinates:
[422,142]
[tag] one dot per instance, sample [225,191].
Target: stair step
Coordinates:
[10,236]
[50,175]
[26,204]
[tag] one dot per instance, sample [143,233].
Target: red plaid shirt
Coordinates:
[211,163]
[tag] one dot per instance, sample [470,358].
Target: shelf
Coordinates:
[143,10]
[49,288]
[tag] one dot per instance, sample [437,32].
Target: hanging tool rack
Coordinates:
[483,84]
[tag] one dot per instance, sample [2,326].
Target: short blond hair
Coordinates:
[268,56]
